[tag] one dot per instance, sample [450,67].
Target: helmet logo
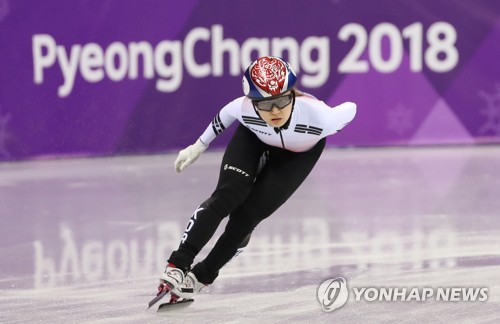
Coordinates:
[269,74]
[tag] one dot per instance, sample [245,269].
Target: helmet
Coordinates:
[268,76]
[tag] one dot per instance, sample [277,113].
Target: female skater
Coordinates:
[280,137]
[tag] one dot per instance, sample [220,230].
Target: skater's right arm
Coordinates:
[188,155]
[221,121]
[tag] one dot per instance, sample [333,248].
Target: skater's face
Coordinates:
[276,112]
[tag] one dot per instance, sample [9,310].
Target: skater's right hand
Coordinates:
[188,155]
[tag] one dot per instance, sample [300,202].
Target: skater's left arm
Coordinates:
[339,116]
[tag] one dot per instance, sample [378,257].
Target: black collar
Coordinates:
[285,126]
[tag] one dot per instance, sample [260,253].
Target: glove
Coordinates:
[188,155]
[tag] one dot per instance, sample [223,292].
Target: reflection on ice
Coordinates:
[72,259]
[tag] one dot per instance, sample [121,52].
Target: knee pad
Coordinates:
[227,198]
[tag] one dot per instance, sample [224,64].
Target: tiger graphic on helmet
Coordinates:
[268,76]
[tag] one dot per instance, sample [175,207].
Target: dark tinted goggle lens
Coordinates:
[280,102]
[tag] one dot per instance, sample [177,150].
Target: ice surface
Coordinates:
[84,240]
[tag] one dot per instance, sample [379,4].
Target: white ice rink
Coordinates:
[84,240]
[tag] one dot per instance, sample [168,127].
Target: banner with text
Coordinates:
[110,77]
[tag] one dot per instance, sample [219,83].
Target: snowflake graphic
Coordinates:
[4,135]
[4,9]
[400,119]
[491,112]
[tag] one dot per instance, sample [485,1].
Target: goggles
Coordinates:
[279,102]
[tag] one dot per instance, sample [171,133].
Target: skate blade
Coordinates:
[157,298]
[181,304]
